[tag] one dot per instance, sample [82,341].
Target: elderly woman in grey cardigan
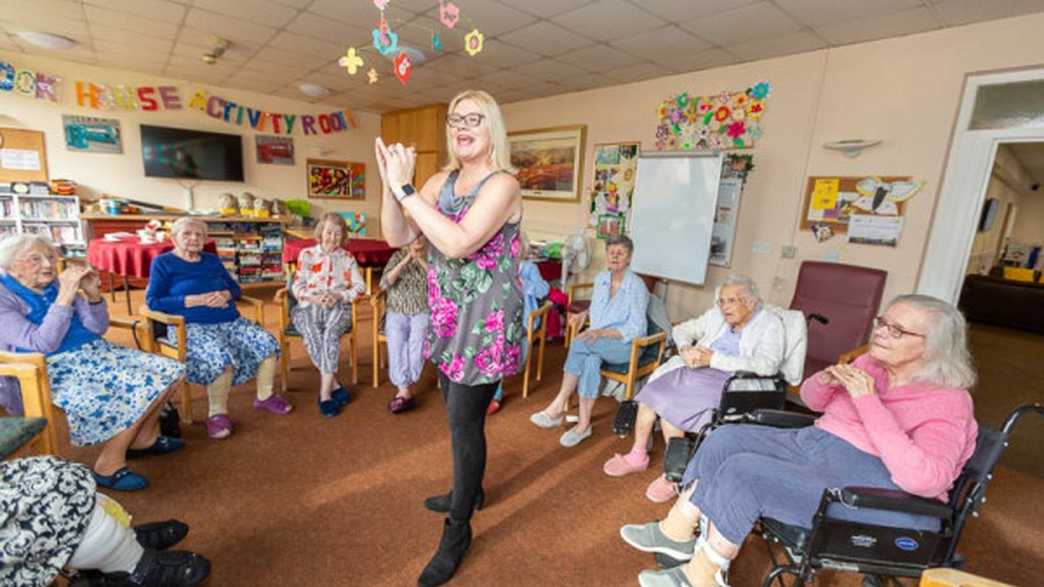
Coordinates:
[737,334]
[110,394]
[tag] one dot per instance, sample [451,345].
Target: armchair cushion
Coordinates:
[647,356]
[17,432]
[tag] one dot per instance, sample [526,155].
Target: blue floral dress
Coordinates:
[476,333]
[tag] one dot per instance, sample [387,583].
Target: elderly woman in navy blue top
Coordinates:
[224,349]
[617,315]
[110,394]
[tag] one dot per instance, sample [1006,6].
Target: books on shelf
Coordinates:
[41,212]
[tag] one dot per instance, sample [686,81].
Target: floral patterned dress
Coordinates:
[476,332]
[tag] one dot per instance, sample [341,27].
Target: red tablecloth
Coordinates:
[367,252]
[128,257]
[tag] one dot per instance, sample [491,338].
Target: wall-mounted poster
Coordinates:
[88,134]
[549,162]
[832,201]
[336,179]
[274,150]
[613,187]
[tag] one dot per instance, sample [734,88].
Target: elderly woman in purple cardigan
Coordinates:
[110,394]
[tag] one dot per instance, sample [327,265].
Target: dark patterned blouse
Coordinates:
[409,294]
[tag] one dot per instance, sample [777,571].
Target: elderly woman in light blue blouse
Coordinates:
[617,315]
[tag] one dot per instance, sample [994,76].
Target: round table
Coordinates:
[128,257]
[370,254]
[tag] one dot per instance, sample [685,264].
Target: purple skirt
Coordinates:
[685,397]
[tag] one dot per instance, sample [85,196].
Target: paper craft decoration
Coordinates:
[380,4]
[343,180]
[549,162]
[372,75]
[351,61]
[87,134]
[386,42]
[734,171]
[28,83]
[274,150]
[436,42]
[834,200]
[473,42]
[403,67]
[449,14]
[730,120]
[613,187]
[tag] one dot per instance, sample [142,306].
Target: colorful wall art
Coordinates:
[729,120]
[274,150]
[615,166]
[88,134]
[549,162]
[342,180]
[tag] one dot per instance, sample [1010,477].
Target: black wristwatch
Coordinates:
[406,191]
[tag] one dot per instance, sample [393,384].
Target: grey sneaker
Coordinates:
[649,538]
[672,577]
[573,436]
[542,420]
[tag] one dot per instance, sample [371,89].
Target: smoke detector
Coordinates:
[220,46]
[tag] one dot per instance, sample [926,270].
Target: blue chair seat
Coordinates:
[647,356]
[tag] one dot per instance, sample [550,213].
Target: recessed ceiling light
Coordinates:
[313,90]
[47,40]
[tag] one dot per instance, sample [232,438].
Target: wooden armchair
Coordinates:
[646,356]
[165,335]
[574,305]
[534,334]
[287,301]
[378,301]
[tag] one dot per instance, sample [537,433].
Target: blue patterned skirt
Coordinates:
[240,343]
[105,388]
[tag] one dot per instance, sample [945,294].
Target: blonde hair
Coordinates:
[336,219]
[500,152]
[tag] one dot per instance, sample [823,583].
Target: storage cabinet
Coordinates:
[425,129]
[54,216]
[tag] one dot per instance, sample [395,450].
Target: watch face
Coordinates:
[408,190]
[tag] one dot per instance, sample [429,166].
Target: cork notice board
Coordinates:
[833,200]
[23,155]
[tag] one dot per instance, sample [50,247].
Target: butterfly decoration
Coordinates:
[881,197]
[449,14]
[403,67]
[473,42]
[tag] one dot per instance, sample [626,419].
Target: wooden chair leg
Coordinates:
[376,368]
[186,402]
[284,364]
[540,358]
[352,352]
[525,374]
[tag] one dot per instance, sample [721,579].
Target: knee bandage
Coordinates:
[107,544]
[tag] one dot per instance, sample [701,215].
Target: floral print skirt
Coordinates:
[240,343]
[105,388]
[45,507]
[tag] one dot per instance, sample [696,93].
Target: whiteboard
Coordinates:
[675,197]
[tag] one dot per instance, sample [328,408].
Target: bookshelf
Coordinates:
[55,216]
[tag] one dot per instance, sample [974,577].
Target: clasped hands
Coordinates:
[696,357]
[75,278]
[395,163]
[325,299]
[856,381]
[210,299]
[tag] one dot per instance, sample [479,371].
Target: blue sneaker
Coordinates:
[329,408]
[341,396]
[122,480]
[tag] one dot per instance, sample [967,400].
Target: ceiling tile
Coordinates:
[461,66]
[207,40]
[232,29]
[489,17]
[958,12]
[505,80]
[702,60]
[751,23]
[130,41]
[822,12]
[276,56]
[549,8]
[636,73]
[234,55]
[263,12]
[546,39]
[608,19]
[540,90]
[664,44]
[31,21]
[150,9]
[293,3]
[99,18]
[8,43]
[14,10]
[359,13]
[599,58]
[323,27]
[550,70]
[418,32]
[336,83]
[294,43]
[675,11]
[586,82]
[890,25]
[779,46]
[500,54]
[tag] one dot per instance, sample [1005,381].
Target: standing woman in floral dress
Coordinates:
[470,213]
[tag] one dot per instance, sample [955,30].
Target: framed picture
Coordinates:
[339,180]
[550,162]
[610,225]
[88,134]
[615,166]
[273,150]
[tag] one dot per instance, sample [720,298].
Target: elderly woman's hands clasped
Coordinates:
[855,381]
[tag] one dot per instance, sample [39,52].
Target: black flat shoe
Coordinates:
[171,568]
[440,504]
[456,539]
[161,535]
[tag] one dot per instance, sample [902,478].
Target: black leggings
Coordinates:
[466,411]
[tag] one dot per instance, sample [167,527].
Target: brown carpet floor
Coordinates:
[301,500]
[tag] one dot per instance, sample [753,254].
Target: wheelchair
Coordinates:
[881,554]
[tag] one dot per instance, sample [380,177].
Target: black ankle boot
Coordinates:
[456,538]
[441,503]
[168,568]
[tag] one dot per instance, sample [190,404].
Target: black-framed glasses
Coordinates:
[894,330]
[472,120]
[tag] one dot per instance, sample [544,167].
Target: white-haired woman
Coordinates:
[737,334]
[470,214]
[224,349]
[110,394]
[326,282]
[899,417]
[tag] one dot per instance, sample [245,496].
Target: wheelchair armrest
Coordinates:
[893,500]
[780,418]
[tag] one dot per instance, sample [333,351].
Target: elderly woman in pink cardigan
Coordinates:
[899,417]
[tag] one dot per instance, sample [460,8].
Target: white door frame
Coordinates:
[967,176]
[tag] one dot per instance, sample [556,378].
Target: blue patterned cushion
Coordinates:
[16,432]
[647,356]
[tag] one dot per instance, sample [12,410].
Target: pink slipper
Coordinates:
[219,426]
[275,403]
[620,465]
[661,490]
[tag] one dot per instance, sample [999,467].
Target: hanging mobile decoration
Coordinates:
[380,4]
[436,42]
[351,61]
[473,42]
[449,14]
[403,67]
[372,74]
[385,40]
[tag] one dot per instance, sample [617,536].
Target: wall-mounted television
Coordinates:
[191,154]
